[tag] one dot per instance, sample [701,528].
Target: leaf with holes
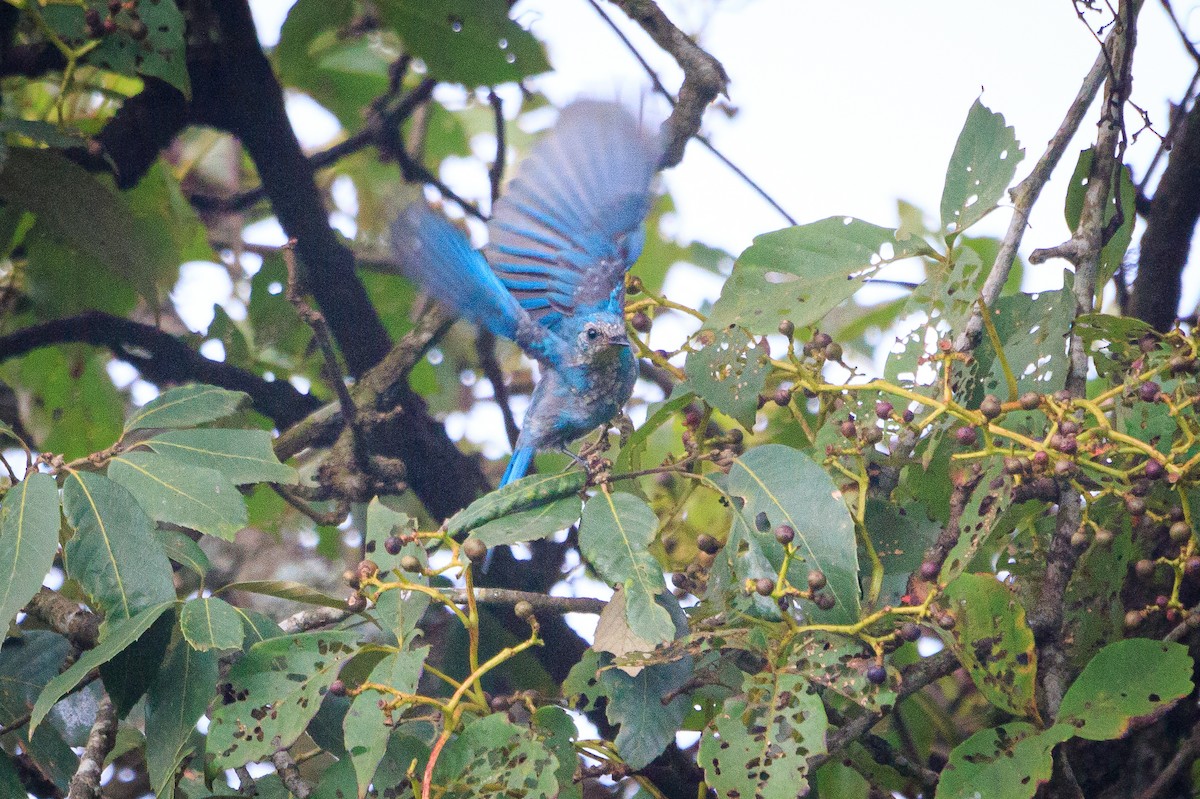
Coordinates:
[977,523]
[840,664]
[760,743]
[1012,759]
[1127,681]
[494,757]
[615,536]
[243,456]
[775,485]
[186,406]
[729,372]
[983,165]
[178,493]
[176,701]
[994,642]
[531,524]
[802,273]
[277,688]
[113,553]
[120,634]
[29,521]
[465,41]
[211,623]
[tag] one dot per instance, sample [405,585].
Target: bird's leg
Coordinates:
[578,459]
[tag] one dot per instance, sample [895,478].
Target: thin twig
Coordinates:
[86,782]
[315,320]
[912,679]
[485,347]
[1026,193]
[496,171]
[1184,757]
[661,89]
[703,76]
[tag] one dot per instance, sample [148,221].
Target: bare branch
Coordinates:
[661,89]
[703,76]
[86,782]
[290,775]
[1026,193]
[67,618]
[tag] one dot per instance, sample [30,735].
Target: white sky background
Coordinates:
[845,107]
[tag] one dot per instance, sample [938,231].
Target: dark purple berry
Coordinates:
[876,674]
[1149,391]
[883,409]
[785,534]
[392,545]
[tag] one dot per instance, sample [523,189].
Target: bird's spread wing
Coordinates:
[569,226]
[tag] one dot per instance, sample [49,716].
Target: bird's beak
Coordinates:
[620,341]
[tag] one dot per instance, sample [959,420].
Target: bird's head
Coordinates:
[601,334]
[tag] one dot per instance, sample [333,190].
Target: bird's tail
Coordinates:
[518,465]
[438,256]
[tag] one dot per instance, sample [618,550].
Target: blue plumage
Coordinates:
[561,240]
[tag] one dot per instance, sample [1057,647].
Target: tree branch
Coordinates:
[79,625]
[1026,193]
[86,782]
[1169,228]
[161,358]
[703,76]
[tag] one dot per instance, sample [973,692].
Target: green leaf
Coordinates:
[559,732]
[176,701]
[525,494]
[1114,251]
[839,664]
[382,523]
[159,54]
[34,179]
[1125,681]
[120,635]
[630,458]
[1012,760]
[977,523]
[366,727]
[465,41]
[802,273]
[529,525]
[243,456]
[994,642]
[129,673]
[494,757]
[337,781]
[729,372]
[180,548]
[1092,606]
[186,406]
[286,589]
[615,536]
[789,488]
[10,781]
[636,703]
[27,664]
[211,623]
[760,743]
[901,533]
[278,687]
[113,554]
[29,521]
[983,165]
[178,493]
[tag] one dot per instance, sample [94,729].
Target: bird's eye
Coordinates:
[593,334]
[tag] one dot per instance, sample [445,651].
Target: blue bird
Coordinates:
[552,277]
